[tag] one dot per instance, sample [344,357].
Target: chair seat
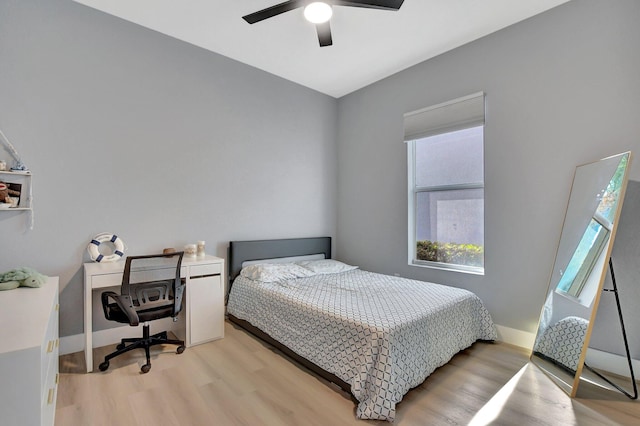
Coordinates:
[116,314]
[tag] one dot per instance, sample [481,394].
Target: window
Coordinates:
[445,147]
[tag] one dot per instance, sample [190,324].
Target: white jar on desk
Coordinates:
[200,249]
[190,250]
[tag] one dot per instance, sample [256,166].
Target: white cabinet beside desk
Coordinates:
[204,304]
[203,309]
[29,354]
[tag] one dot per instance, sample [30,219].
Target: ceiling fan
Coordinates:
[319,12]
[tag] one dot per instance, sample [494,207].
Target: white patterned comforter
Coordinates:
[383,335]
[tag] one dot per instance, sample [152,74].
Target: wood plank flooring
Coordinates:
[240,380]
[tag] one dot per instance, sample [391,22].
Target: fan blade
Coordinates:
[272,11]
[324,34]
[376,4]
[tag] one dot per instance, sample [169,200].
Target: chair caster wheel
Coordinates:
[103,366]
[180,349]
[120,346]
[145,368]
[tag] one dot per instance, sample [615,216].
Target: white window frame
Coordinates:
[458,114]
[577,283]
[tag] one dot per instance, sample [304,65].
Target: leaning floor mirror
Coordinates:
[579,270]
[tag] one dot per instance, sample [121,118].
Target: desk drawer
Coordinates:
[115,279]
[208,269]
[106,280]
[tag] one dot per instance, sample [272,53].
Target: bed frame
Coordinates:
[242,251]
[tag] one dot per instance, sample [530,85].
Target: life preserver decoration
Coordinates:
[94,248]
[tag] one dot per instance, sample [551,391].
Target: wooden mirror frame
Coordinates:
[589,186]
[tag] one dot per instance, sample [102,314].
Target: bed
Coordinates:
[374,335]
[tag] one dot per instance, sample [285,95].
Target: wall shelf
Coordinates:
[22,178]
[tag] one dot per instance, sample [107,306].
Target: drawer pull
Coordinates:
[195,277]
[50,346]
[57,378]
[57,306]
[52,392]
[57,342]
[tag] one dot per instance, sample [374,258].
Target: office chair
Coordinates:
[151,289]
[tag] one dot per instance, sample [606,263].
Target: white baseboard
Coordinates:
[523,339]
[71,344]
[75,343]
[614,363]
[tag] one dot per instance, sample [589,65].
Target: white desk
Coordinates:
[203,308]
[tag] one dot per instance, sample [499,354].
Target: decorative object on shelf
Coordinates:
[3,166]
[6,190]
[21,277]
[94,248]
[18,165]
[19,195]
[190,250]
[168,250]
[200,249]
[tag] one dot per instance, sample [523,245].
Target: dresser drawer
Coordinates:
[49,397]
[208,269]
[50,347]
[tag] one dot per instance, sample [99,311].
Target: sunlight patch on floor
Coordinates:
[492,409]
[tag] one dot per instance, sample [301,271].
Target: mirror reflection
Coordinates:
[579,269]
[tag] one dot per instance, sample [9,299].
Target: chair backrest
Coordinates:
[153,281]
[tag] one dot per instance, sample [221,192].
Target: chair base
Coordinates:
[142,343]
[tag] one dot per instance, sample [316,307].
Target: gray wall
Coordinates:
[607,333]
[562,89]
[132,132]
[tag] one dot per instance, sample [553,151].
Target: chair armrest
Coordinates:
[125,304]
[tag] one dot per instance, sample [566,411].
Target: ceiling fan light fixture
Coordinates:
[318,12]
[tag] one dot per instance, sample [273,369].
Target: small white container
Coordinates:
[200,249]
[190,250]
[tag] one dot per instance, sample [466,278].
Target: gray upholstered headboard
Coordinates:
[242,251]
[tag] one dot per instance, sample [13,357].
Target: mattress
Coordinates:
[382,335]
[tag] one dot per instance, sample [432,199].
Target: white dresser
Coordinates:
[29,354]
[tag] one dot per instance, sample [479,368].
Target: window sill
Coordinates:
[444,267]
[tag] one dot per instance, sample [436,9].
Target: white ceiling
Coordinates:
[368,44]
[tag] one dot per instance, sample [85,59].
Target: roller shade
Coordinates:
[457,114]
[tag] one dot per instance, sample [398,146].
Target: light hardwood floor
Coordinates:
[240,380]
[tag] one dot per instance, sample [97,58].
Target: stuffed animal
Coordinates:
[21,277]
[5,193]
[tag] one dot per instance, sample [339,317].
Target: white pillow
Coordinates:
[326,266]
[272,272]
